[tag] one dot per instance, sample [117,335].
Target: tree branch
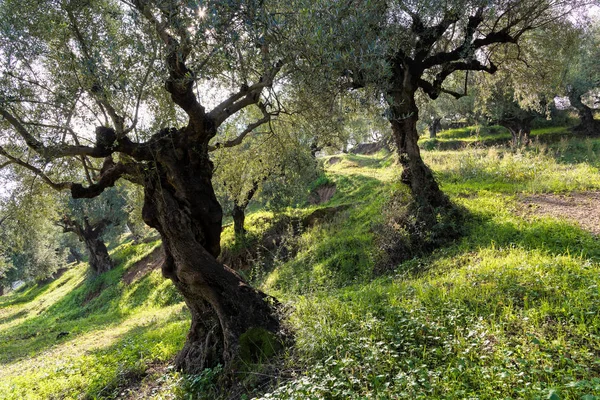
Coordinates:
[181,79]
[140,93]
[246,96]
[251,127]
[36,171]
[427,37]
[96,89]
[110,173]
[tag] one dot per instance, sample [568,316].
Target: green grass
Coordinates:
[114,331]
[480,136]
[508,311]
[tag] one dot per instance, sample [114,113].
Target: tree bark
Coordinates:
[74,255]
[99,259]
[519,128]
[239,216]
[91,236]
[423,186]
[135,234]
[1,290]
[239,210]
[434,127]
[179,201]
[587,123]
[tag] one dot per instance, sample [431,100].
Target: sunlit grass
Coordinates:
[508,311]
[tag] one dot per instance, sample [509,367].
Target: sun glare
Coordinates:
[202,12]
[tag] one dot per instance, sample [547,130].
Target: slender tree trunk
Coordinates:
[1,290]
[435,127]
[519,128]
[179,201]
[91,236]
[420,179]
[75,255]
[239,210]
[239,216]
[135,234]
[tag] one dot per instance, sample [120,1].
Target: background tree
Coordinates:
[132,68]
[532,75]
[445,112]
[30,247]
[402,47]
[582,76]
[94,221]
[277,155]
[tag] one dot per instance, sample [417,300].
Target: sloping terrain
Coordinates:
[508,311]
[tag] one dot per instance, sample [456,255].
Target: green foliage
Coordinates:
[509,311]
[30,242]
[258,345]
[110,206]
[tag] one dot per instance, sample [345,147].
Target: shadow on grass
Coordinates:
[126,362]
[545,235]
[458,139]
[354,188]
[97,302]
[361,161]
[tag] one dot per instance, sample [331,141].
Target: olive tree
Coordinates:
[93,221]
[278,155]
[158,79]
[30,247]
[402,47]
[532,76]
[582,76]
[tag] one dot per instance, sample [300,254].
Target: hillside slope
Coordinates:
[509,311]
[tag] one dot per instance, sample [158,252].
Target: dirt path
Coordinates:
[581,207]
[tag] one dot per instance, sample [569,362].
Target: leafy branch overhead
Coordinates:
[62,108]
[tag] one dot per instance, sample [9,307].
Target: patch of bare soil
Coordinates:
[334,160]
[144,266]
[322,194]
[580,207]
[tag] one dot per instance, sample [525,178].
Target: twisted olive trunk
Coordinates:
[519,128]
[99,259]
[181,204]
[435,127]
[91,236]
[587,123]
[239,211]
[415,174]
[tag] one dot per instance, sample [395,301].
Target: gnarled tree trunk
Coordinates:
[587,123]
[435,127]
[415,174]
[99,259]
[239,217]
[180,203]
[239,210]
[91,236]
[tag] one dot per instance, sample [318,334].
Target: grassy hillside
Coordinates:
[509,311]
